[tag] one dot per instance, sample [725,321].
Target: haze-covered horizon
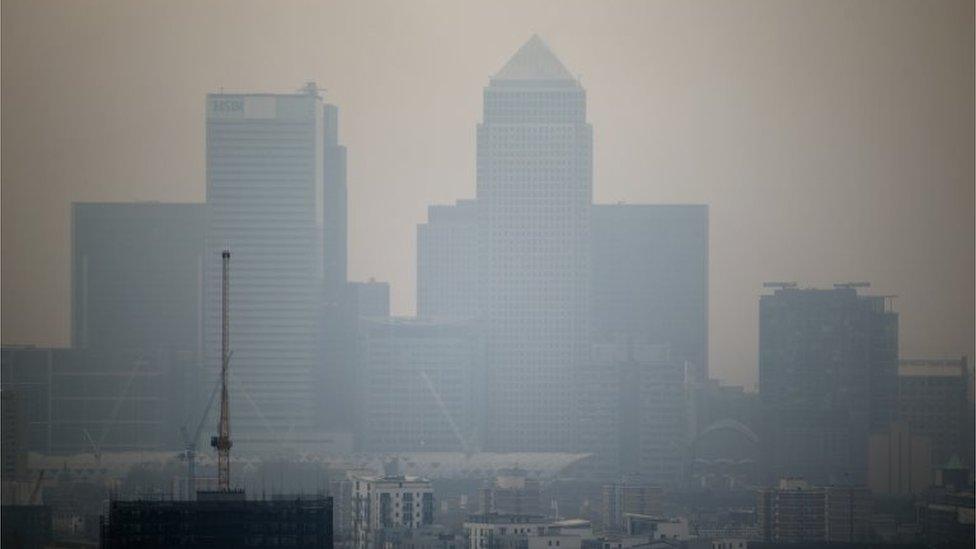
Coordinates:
[831,141]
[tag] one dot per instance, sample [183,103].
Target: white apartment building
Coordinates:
[389,502]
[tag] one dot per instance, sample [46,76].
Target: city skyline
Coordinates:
[894,144]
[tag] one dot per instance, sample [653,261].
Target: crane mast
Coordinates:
[222,441]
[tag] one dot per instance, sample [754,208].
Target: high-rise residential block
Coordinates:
[389,502]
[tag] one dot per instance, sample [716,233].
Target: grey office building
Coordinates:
[335,377]
[423,386]
[650,279]
[828,367]
[136,273]
[447,262]
[534,190]
[103,399]
[265,195]
[632,414]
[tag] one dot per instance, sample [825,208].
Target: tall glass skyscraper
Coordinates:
[265,204]
[534,189]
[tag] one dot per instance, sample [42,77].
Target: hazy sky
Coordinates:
[833,141]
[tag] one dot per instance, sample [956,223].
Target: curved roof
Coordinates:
[730,424]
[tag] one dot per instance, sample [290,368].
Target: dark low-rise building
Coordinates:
[105,399]
[219,519]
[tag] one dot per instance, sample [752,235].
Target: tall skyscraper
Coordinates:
[650,278]
[534,189]
[334,238]
[828,366]
[265,195]
[136,275]
[335,379]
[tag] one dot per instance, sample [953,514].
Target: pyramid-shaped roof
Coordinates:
[534,61]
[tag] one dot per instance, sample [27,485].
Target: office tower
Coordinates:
[336,376]
[447,262]
[827,378]
[100,400]
[650,278]
[370,299]
[422,386]
[632,414]
[534,190]
[932,400]
[265,193]
[136,273]
[335,218]
[389,501]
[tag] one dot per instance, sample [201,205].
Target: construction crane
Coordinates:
[190,444]
[222,441]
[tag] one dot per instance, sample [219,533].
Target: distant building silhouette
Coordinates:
[932,400]
[265,197]
[336,374]
[447,262]
[650,278]
[632,414]
[370,299]
[422,386]
[827,378]
[534,189]
[89,401]
[136,273]
[899,461]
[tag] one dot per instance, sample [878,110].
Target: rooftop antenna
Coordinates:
[222,441]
